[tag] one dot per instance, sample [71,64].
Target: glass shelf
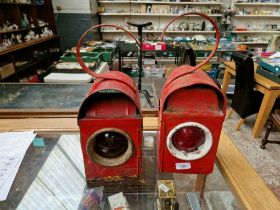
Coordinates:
[52,177]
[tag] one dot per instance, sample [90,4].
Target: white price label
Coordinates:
[163,187]
[148,141]
[158,47]
[183,166]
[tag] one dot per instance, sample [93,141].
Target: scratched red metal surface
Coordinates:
[191,105]
[111,104]
[195,98]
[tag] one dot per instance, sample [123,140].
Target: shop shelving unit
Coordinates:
[155,31]
[130,13]
[12,12]
[161,2]
[147,14]
[256,32]
[257,16]
[257,4]
[256,43]
[241,20]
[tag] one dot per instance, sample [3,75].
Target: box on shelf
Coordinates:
[34,79]
[241,47]
[271,64]
[118,202]
[154,71]
[6,70]
[127,46]
[23,65]
[107,55]
[73,65]
[86,56]
[148,46]
[227,45]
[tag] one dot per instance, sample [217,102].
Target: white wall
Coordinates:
[71,6]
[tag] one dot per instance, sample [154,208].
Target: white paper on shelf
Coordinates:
[275,55]
[7,165]
[13,146]
[49,189]
[68,77]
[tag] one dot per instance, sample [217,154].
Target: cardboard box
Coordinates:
[7,70]
[148,46]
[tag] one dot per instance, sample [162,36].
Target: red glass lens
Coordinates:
[188,139]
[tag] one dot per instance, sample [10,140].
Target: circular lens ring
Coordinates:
[109,162]
[110,146]
[212,52]
[188,156]
[104,75]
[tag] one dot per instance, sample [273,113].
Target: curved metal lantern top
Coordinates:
[198,77]
[107,86]
[187,69]
[112,75]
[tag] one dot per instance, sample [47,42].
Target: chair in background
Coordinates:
[246,101]
[187,56]
[274,121]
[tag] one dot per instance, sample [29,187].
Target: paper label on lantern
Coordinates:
[158,47]
[183,166]
[163,187]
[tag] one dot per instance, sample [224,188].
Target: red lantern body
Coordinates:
[111,130]
[192,111]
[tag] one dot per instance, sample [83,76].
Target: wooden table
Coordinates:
[270,89]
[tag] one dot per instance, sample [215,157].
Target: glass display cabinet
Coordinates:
[51,176]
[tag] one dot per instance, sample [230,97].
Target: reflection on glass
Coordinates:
[61,181]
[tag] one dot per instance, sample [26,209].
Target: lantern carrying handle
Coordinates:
[107,75]
[211,54]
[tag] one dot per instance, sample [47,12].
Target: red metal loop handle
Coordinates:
[215,27]
[109,75]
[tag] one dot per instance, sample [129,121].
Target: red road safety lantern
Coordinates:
[110,124]
[192,111]
[111,131]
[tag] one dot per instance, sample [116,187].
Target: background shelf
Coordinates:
[257,4]
[256,32]
[154,31]
[160,2]
[147,14]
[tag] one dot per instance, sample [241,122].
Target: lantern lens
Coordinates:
[188,139]
[110,144]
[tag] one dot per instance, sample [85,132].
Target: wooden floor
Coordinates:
[245,183]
